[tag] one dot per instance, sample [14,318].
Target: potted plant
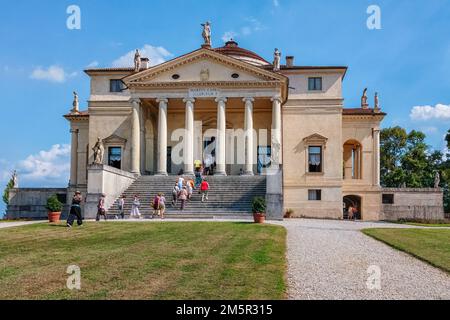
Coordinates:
[54,208]
[259,209]
[288,214]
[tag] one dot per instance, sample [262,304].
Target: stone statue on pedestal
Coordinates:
[206,33]
[364,103]
[276,60]
[437,180]
[377,103]
[75,103]
[98,152]
[137,61]
[15,179]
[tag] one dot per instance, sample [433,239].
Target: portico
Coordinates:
[178,131]
[206,104]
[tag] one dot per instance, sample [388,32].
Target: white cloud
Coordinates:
[157,55]
[227,36]
[251,25]
[46,166]
[93,64]
[53,74]
[423,113]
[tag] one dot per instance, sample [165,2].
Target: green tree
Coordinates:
[9,186]
[392,147]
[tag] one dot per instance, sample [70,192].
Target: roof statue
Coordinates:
[207,33]
[364,103]
[75,103]
[276,60]
[137,61]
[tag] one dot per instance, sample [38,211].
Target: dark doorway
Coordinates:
[352,202]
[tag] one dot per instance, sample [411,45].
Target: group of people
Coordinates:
[182,192]
[183,189]
[352,212]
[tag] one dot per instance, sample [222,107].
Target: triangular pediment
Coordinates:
[114,139]
[315,139]
[203,65]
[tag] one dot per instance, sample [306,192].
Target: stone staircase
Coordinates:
[229,197]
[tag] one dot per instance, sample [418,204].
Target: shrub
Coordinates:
[53,204]
[259,205]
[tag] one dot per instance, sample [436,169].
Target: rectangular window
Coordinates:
[315,84]
[314,195]
[388,199]
[315,159]
[115,157]
[116,85]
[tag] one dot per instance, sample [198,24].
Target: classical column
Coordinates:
[74,157]
[276,131]
[249,136]
[188,151]
[135,136]
[221,134]
[162,137]
[376,157]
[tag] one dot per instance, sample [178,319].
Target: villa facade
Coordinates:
[251,116]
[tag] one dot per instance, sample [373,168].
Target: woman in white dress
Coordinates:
[135,208]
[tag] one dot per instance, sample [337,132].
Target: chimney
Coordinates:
[145,63]
[289,61]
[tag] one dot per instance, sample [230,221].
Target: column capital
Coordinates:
[135,101]
[186,100]
[248,99]
[163,100]
[221,99]
[74,130]
[276,99]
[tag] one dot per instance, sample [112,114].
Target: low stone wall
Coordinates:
[29,203]
[424,204]
[106,180]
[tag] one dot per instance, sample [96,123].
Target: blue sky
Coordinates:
[42,61]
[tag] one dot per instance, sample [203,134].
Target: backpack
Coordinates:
[156,203]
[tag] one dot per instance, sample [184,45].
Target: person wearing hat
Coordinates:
[75,210]
[101,210]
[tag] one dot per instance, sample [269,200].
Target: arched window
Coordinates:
[352,160]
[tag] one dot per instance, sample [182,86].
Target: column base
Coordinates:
[220,174]
[161,174]
[248,173]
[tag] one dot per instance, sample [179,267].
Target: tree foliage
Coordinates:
[407,161]
[9,186]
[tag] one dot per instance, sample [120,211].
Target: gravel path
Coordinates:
[4,225]
[330,260]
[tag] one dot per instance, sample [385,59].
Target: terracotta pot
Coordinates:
[259,217]
[54,217]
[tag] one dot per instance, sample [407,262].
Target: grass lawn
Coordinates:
[433,225]
[126,260]
[430,245]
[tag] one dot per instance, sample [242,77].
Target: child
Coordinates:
[101,210]
[183,197]
[156,203]
[135,207]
